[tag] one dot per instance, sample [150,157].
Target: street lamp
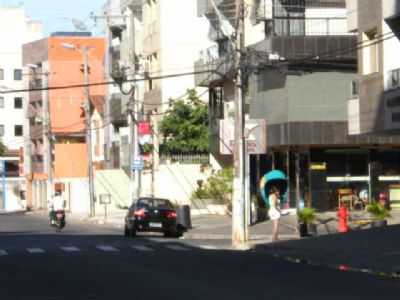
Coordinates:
[85,51]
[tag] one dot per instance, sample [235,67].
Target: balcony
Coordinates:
[325,48]
[37,167]
[217,68]
[37,131]
[118,110]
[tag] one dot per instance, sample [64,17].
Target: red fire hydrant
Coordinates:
[343,214]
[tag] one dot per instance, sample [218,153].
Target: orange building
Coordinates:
[57,61]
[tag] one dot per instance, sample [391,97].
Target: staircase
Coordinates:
[226,7]
[115,183]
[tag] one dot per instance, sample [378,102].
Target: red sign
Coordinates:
[144,128]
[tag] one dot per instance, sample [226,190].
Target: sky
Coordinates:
[56,14]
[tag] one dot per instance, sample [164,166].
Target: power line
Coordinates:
[62,87]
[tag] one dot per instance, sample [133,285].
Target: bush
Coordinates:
[306,215]
[378,211]
[219,188]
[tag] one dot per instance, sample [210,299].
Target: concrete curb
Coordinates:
[340,267]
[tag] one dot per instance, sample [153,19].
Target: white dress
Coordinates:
[273,212]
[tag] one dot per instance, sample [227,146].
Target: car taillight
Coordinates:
[139,213]
[171,215]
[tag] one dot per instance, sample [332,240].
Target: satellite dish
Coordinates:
[79,25]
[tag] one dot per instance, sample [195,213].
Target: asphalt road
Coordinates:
[96,262]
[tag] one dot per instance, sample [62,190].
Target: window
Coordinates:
[1,102]
[18,130]
[1,74]
[1,130]
[370,52]
[18,103]
[17,74]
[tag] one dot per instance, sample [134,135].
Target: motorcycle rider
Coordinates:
[57,204]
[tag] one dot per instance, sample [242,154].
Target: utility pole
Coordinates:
[136,162]
[49,138]
[239,222]
[155,154]
[88,130]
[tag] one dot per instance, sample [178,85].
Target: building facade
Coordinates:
[12,105]
[56,144]
[376,90]
[304,63]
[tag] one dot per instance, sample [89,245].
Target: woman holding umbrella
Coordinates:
[274,211]
[272,186]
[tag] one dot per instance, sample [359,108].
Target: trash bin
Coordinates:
[183,214]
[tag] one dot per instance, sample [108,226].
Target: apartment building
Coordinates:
[373,106]
[56,118]
[16,28]
[304,63]
[147,40]
[377,89]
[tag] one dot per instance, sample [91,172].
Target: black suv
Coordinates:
[152,214]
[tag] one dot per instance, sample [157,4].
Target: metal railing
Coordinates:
[185,158]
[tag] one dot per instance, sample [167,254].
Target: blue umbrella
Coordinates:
[274,177]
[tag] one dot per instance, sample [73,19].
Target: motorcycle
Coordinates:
[59,221]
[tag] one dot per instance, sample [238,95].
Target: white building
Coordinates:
[16,29]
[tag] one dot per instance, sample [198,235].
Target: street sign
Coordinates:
[105,199]
[138,164]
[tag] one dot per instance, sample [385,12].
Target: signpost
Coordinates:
[138,164]
[255,134]
[105,199]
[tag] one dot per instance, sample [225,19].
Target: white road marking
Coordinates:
[70,249]
[35,250]
[142,248]
[208,247]
[177,247]
[106,248]
[3,252]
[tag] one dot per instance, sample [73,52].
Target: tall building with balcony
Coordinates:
[16,28]
[124,53]
[148,41]
[304,61]
[374,106]
[56,118]
[377,90]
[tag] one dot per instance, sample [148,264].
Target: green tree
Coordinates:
[185,128]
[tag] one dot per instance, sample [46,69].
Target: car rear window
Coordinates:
[154,203]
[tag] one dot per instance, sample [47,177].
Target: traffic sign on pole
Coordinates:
[138,164]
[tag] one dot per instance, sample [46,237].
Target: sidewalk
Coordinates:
[370,250]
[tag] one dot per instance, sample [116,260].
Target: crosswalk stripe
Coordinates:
[70,249]
[35,250]
[142,248]
[106,248]
[208,247]
[177,247]
[3,252]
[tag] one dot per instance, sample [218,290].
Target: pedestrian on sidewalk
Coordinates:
[274,211]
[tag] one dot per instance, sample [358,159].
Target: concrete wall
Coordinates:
[175,182]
